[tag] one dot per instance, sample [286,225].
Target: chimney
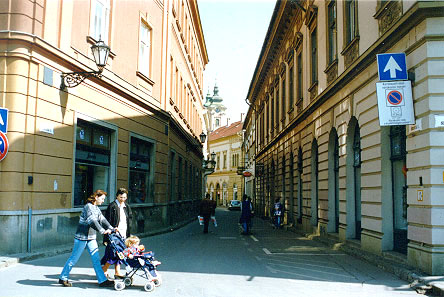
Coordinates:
[242,116]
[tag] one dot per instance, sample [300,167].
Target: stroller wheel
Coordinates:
[119,286]
[128,281]
[157,282]
[149,286]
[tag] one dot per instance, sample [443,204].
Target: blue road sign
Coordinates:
[3,120]
[392,66]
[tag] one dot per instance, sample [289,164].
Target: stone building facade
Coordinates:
[136,126]
[318,135]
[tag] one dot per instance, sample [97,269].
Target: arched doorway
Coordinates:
[353,192]
[399,184]
[224,193]
[300,187]
[218,194]
[333,182]
[272,188]
[314,184]
[291,193]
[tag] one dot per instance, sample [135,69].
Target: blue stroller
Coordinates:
[144,266]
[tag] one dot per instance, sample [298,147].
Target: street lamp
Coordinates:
[202,136]
[100,53]
[208,166]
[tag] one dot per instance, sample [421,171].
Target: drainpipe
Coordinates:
[29,228]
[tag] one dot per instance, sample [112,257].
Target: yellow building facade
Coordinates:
[136,126]
[319,142]
[225,184]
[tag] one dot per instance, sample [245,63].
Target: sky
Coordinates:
[234,32]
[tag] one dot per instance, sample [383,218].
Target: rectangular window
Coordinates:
[299,86]
[100,11]
[314,56]
[277,106]
[172,175]
[332,31]
[92,160]
[272,113]
[225,160]
[284,100]
[291,87]
[144,49]
[140,171]
[350,21]
[218,161]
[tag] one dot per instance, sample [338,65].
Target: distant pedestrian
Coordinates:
[91,220]
[246,214]
[119,215]
[278,212]
[206,210]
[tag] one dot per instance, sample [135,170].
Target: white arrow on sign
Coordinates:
[392,66]
[1,120]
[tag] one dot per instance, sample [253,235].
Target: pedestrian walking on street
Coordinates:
[118,214]
[206,210]
[246,214]
[91,220]
[278,213]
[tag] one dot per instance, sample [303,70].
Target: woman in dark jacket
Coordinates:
[119,216]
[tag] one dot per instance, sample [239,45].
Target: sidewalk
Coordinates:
[389,261]
[13,259]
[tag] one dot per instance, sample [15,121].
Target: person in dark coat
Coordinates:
[246,214]
[119,216]
[206,210]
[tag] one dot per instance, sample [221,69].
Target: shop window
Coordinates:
[92,160]
[140,171]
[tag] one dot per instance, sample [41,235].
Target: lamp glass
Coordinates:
[100,52]
[213,156]
[202,137]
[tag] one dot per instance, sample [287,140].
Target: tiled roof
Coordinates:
[225,131]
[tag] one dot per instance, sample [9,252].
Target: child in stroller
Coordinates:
[138,262]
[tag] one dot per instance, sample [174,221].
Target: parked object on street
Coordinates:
[137,261]
[91,220]
[235,205]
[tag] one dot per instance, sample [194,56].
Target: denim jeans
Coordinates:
[79,247]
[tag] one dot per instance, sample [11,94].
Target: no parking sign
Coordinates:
[4,145]
[395,103]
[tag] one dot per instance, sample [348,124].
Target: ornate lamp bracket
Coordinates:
[74,79]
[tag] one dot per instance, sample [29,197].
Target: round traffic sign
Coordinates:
[4,145]
[394,97]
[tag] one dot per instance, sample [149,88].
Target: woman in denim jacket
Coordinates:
[91,221]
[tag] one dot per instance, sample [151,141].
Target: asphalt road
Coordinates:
[222,263]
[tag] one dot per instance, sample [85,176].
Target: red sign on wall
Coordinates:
[4,145]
